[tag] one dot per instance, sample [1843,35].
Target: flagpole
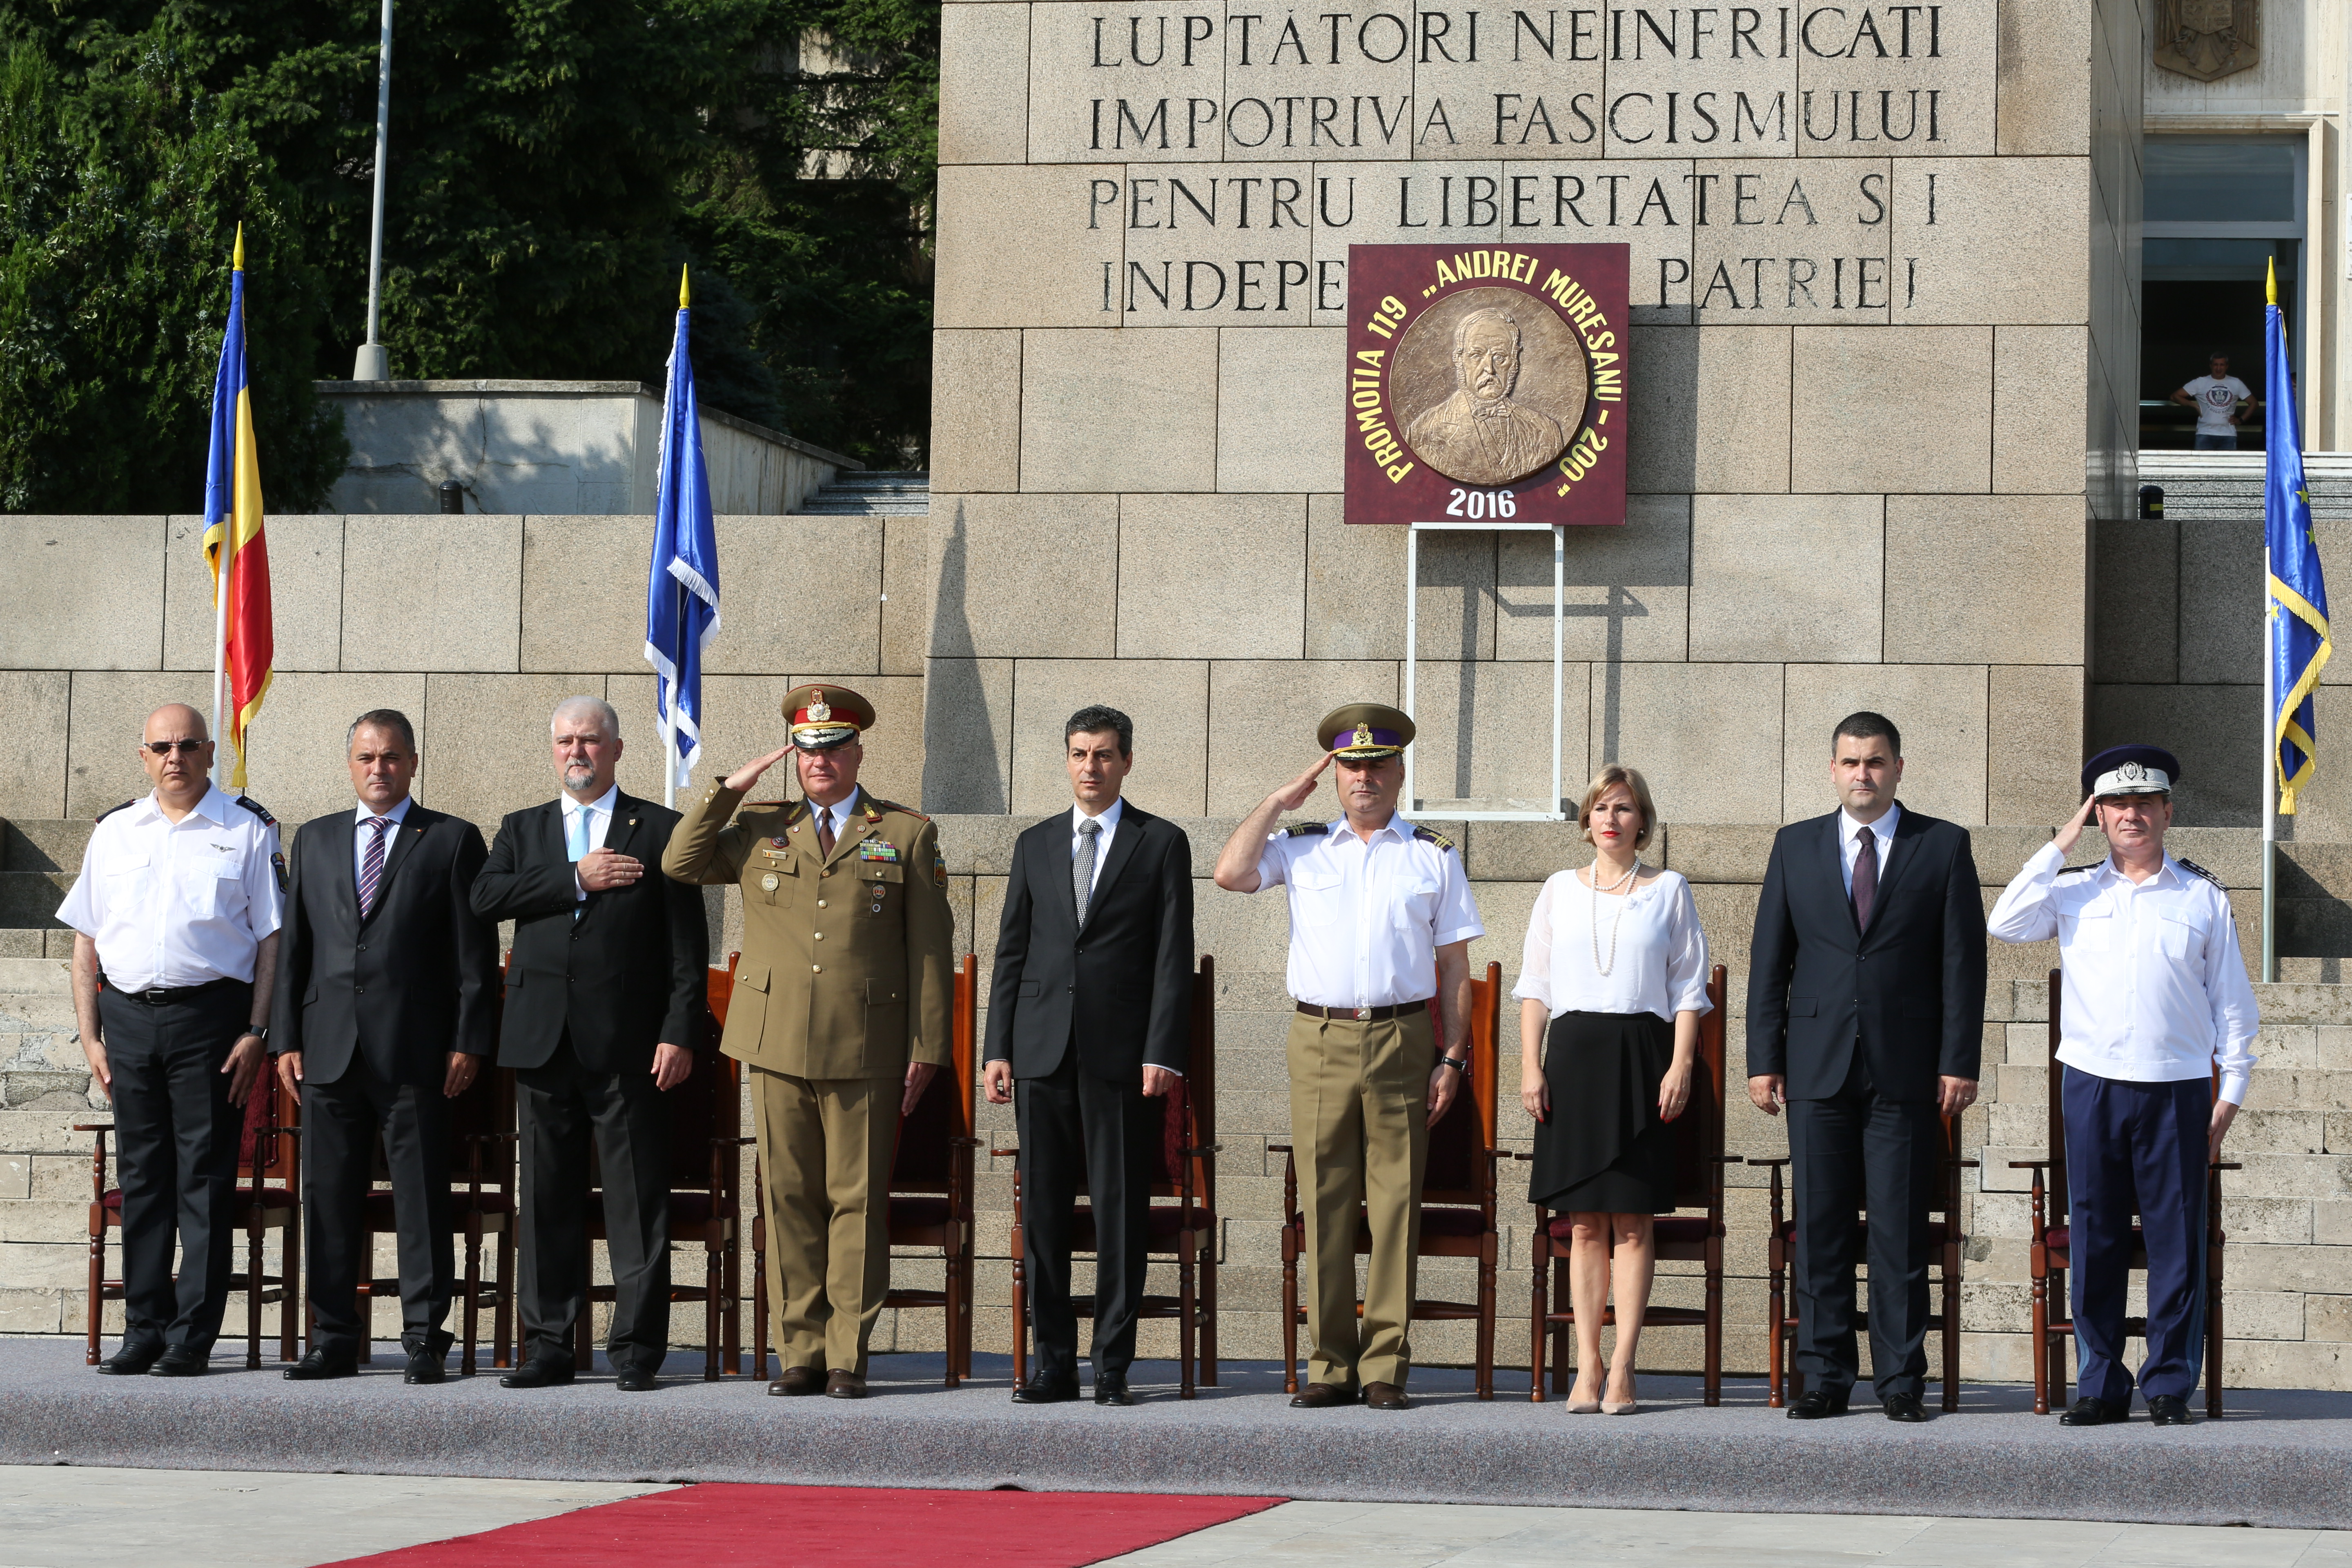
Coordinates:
[221,586]
[669,716]
[2270,782]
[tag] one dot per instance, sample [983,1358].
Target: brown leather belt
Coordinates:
[1364,1015]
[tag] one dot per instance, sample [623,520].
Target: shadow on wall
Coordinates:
[960,749]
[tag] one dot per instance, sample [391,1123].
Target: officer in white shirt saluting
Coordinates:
[1380,917]
[176,914]
[2155,995]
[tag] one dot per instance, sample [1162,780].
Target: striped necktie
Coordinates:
[372,865]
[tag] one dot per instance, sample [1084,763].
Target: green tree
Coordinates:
[120,189]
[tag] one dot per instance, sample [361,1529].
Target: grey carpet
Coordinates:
[2282,1458]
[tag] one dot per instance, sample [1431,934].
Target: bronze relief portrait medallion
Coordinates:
[1490,384]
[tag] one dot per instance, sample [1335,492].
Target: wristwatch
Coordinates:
[258,1031]
[1457,1063]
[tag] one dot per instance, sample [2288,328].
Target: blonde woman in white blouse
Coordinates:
[1612,985]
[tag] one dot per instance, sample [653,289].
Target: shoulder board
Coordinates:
[2077,870]
[110,810]
[1306,830]
[1431,835]
[875,809]
[258,809]
[782,805]
[2194,868]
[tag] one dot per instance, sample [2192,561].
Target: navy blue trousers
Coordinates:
[2138,1148]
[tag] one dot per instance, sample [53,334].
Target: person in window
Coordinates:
[2221,401]
[1612,985]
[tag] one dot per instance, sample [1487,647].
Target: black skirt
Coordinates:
[1605,1150]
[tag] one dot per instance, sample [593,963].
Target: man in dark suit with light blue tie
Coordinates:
[1866,1020]
[387,1005]
[604,992]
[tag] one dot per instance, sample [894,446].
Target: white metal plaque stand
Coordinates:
[1412,651]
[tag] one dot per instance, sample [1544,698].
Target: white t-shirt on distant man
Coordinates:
[2215,400]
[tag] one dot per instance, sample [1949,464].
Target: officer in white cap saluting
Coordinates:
[2155,995]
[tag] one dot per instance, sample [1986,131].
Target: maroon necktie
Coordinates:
[824,832]
[1865,877]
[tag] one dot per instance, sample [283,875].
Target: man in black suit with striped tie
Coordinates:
[387,1003]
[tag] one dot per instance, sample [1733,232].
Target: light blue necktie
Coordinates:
[578,847]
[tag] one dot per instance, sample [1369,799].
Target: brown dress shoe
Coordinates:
[1322,1397]
[844,1385]
[798,1380]
[1385,1397]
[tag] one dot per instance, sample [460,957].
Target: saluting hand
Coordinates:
[747,775]
[2069,836]
[1294,794]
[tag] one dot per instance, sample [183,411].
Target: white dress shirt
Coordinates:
[599,813]
[2154,988]
[1367,919]
[1661,955]
[367,814]
[1109,820]
[172,904]
[1850,842]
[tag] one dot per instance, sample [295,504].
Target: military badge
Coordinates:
[818,711]
[778,841]
[770,882]
[939,869]
[879,850]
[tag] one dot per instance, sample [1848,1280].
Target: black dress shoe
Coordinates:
[2089,1412]
[319,1365]
[1048,1391]
[424,1365]
[537,1371]
[1112,1391]
[798,1380]
[1819,1403]
[131,1361]
[182,1362]
[840,1385]
[1385,1397]
[2168,1410]
[1323,1396]
[633,1380]
[1904,1408]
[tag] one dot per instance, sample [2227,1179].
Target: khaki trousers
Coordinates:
[1359,1127]
[826,1148]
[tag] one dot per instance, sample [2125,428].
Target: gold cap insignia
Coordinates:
[1362,737]
[818,711]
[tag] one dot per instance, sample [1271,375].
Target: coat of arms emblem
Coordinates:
[2208,39]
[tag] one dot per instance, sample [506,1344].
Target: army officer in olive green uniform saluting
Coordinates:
[840,1009]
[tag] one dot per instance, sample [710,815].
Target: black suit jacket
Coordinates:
[1910,990]
[414,981]
[1123,986]
[626,976]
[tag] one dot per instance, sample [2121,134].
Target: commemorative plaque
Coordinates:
[1486,384]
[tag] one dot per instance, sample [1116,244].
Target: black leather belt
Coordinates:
[164,997]
[1364,1015]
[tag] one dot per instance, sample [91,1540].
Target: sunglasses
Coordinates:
[165,748]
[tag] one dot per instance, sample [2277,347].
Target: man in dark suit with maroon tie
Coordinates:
[1866,1020]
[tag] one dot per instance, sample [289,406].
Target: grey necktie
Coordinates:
[1082,864]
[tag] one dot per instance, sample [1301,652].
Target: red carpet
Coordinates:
[836,1526]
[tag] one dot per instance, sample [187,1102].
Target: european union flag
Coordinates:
[2297,611]
[682,589]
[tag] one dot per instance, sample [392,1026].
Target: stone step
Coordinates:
[883,494]
[2222,487]
[35,977]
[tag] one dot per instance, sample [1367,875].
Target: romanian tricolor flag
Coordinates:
[234,545]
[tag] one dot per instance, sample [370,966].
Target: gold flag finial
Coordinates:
[237,261]
[681,288]
[2270,282]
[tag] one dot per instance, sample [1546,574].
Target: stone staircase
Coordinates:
[2227,487]
[883,494]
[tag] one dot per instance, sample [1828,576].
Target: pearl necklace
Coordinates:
[1592,886]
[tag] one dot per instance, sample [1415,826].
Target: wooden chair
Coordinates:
[2052,1253]
[1947,1233]
[481,1209]
[1680,1237]
[706,1124]
[268,1197]
[1457,1199]
[931,1195]
[1185,1171]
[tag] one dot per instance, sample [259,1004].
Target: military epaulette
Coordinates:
[1306,830]
[770,804]
[1431,835]
[110,810]
[875,809]
[258,809]
[2077,870]
[2195,869]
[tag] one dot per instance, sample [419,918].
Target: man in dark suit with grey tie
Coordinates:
[1866,1020]
[1090,1009]
[387,1000]
[603,992]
